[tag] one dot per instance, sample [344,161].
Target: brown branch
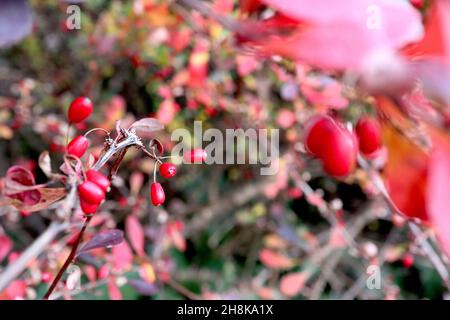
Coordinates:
[69,259]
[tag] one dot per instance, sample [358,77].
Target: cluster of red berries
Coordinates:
[168,170]
[337,147]
[93,190]
[79,110]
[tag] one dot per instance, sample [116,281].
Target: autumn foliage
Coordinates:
[359,89]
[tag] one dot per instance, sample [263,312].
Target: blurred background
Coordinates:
[225,231]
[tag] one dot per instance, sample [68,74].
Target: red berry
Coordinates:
[46,276]
[87,207]
[408,260]
[167,170]
[418,4]
[157,194]
[80,109]
[339,156]
[99,179]
[195,156]
[78,146]
[91,193]
[332,143]
[317,130]
[369,135]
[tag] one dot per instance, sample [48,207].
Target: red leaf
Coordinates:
[122,255]
[175,231]
[249,6]
[436,42]
[37,200]
[275,260]
[5,246]
[114,291]
[135,234]
[292,283]
[330,29]
[438,190]
[405,173]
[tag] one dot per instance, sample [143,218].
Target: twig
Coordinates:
[130,139]
[68,260]
[429,251]
[182,290]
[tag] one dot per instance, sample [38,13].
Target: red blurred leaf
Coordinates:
[249,6]
[167,111]
[438,189]
[135,234]
[292,283]
[122,256]
[436,41]
[275,260]
[330,29]
[5,246]
[175,231]
[37,200]
[16,290]
[406,170]
[114,291]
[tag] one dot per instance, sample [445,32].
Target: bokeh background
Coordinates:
[225,231]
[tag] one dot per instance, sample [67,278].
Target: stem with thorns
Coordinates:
[129,140]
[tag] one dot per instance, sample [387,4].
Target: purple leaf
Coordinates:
[147,125]
[15,21]
[102,239]
[143,287]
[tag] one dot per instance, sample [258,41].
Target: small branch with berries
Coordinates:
[93,185]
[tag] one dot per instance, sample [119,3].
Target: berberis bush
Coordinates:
[96,203]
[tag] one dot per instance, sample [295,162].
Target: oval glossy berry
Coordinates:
[87,207]
[318,129]
[195,156]
[80,109]
[369,135]
[90,192]
[78,146]
[157,194]
[167,170]
[339,155]
[99,179]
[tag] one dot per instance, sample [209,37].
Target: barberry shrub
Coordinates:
[358,90]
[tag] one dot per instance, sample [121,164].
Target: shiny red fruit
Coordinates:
[157,194]
[167,170]
[339,156]
[408,260]
[78,146]
[369,135]
[332,143]
[90,192]
[87,207]
[80,109]
[195,156]
[318,129]
[99,179]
